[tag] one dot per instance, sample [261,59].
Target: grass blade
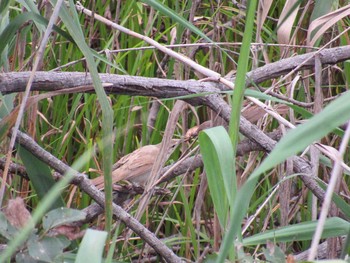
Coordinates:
[218,163]
[40,176]
[334,227]
[91,248]
[335,114]
[71,21]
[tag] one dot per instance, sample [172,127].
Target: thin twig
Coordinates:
[336,173]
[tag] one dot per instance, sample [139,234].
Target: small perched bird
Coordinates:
[136,167]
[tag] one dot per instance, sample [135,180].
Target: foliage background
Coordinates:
[70,125]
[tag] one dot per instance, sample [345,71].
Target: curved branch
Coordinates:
[163,88]
[328,56]
[86,185]
[206,93]
[301,166]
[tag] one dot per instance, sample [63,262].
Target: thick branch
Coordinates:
[162,88]
[86,185]
[329,56]
[301,166]
[172,171]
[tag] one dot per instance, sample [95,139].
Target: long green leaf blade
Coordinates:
[171,13]
[218,163]
[335,114]
[91,248]
[334,227]
[70,19]
[40,176]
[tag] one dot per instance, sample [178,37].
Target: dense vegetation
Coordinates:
[272,153]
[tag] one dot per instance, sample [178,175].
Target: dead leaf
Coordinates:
[286,21]
[254,113]
[320,25]
[71,232]
[17,213]
[194,131]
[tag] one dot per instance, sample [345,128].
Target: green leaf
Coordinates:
[237,100]
[8,33]
[335,114]
[173,15]
[334,227]
[24,257]
[47,248]
[321,8]
[273,253]
[6,104]
[346,247]
[4,5]
[218,158]
[211,258]
[346,71]
[71,21]
[339,202]
[39,174]
[67,257]
[62,216]
[91,247]
[43,207]
[240,81]
[6,229]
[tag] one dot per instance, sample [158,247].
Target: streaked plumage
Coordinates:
[135,167]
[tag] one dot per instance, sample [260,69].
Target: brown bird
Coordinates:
[136,167]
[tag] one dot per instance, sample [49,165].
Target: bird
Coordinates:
[136,166]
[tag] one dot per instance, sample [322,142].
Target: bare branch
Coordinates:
[84,183]
[207,93]
[162,88]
